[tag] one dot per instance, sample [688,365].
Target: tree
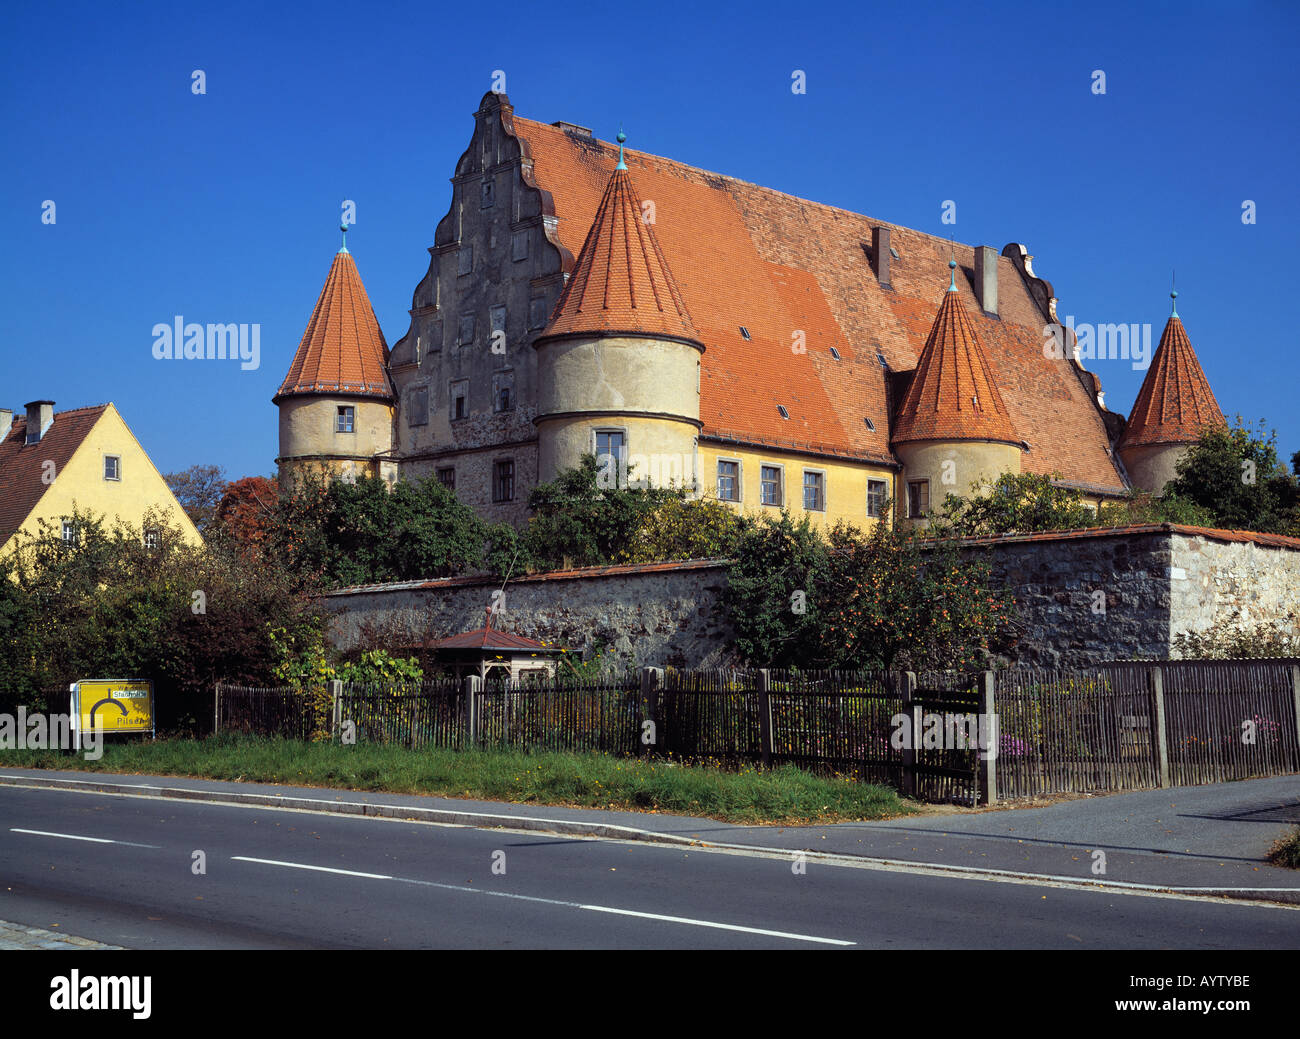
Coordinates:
[1234,475]
[247,511]
[685,528]
[1013,503]
[198,489]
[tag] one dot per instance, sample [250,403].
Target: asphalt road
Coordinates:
[280,879]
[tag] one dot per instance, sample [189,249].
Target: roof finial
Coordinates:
[344,228]
[952,275]
[1173,293]
[621,138]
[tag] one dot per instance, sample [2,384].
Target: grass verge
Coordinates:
[781,795]
[1286,851]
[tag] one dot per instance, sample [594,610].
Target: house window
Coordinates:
[497,329]
[112,467]
[447,477]
[537,312]
[877,491]
[487,192]
[519,245]
[781,410]
[465,259]
[69,533]
[503,390]
[770,481]
[151,539]
[460,399]
[417,414]
[503,480]
[465,333]
[814,491]
[345,419]
[611,455]
[729,481]
[918,498]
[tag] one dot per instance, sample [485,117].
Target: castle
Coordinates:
[694,328]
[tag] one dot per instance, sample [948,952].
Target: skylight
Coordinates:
[781,409]
[745,332]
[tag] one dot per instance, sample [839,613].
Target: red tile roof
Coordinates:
[343,350]
[22,465]
[621,281]
[1175,403]
[795,274]
[954,392]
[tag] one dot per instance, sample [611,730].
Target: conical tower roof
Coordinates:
[621,282]
[954,393]
[343,350]
[1175,403]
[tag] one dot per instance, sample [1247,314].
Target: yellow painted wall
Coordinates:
[660,452]
[952,467]
[309,441]
[81,484]
[846,482]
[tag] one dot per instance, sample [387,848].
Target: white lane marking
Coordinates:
[76,837]
[556,902]
[318,869]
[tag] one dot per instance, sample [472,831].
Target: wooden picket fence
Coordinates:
[964,737]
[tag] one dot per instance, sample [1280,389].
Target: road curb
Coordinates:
[612,831]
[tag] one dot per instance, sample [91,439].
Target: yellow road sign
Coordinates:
[113,705]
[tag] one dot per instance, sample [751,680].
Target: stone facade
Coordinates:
[1082,597]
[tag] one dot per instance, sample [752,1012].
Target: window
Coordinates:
[151,540]
[870,425]
[814,491]
[112,467]
[537,312]
[69,533]
[460,399]
[836,354]
[770,481]
[881,358]
[519,245]
[465,333]
[781,409]
[729,481]
[503,480]
[417,413]
[447,477]
[465,259]
[503,390]
[745,332]
[487,193]
[345,420]
[877,491]
[611,456]
[918,498]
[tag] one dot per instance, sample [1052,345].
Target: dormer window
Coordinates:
[745,332]
[836,354]
[870,425]
[781,408]
[881,358]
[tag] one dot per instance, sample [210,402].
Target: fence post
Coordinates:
[216,710]
[336,707]
[986,761]
[473,683]
[651,679]
[907,683]
[1157,685]
[1295,695]
[765,716]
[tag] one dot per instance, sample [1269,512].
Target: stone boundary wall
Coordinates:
[1082,597]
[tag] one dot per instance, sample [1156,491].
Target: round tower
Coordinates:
[1173,406]
[619,363]
[953,429]
[337,403]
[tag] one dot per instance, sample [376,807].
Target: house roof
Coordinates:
[1175,403]
[621,281]
[23,465]
[343,350]
[490,638]
[954,393]
[796,274]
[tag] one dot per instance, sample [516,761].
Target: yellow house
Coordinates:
[82,460]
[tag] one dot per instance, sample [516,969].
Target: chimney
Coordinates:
[986,278]
[40,416]
[6,422]
[881,254]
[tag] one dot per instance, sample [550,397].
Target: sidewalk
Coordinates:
[1205,839]
[19,936]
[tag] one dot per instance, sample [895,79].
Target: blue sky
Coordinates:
[224,207]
